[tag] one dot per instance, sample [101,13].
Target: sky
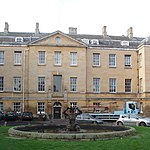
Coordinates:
[88,16]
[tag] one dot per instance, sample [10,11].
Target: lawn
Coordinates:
[139,142]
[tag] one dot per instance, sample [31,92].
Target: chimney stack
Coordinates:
[104,31]
[130,33]
[37,29]
[72,30]
[6,29]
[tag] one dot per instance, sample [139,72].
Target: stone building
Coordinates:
[47,72]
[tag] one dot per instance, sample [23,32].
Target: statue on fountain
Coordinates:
[71,114]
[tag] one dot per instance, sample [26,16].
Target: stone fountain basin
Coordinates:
[57,132]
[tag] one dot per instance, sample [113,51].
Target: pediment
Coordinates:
[58,39]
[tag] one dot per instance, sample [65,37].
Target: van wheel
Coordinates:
[142,124]
[119,123]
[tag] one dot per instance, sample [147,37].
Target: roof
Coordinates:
[93,40]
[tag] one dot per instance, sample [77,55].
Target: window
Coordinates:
[1,84]
[141,85]
[127,85]
[57,58]
[112,85]
[17,107]
[57,83]
[17,57]
[96,84]
[94,42]
[57,39]
[40,107]
[140,60]
[41,84]
[96,59]
[73,58]
[73,84]
[17,84]
[41,57]
[96,107]
[73,104]
[127,60]
[19,39]
[112,60]
[1,106]
[1,57]
[86,41]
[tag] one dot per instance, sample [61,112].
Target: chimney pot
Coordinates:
[72,30]
[130,33]
[37,29]
[104,31]
[6,29]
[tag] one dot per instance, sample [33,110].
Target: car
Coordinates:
[10,115]
[28,116]
[87,119]
[133,120]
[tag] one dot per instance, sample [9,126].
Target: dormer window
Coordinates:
[86,41]
[94,42]
[19,39]
[125,43]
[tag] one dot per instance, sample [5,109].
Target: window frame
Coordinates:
[127,61]
[41,57]
[96,59]
[128,85]
[73,58]
[112,85]
[17,57]
[17,107]
[1,106]
[2,57]
[17,84]
[96,85]
[73,84]
[1,84]
[112,60]
[57,58]
[40,107]
[41,86]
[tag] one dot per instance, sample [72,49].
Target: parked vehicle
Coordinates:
[133,120]
[27,116]
[10,115]
[129,108]
[87,119]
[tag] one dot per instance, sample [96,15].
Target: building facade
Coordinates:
[47,72]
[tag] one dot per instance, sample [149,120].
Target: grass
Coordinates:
[139,142]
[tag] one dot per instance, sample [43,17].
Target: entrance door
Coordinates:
[57,110]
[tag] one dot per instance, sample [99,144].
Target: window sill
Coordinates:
[41,64]
[73,65]
[112,67]
[57,65]
[127,67]
[96,66]
[17,64]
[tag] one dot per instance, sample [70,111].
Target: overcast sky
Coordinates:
[89,16]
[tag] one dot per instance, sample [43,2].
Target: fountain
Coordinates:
[71,131]
[71,113]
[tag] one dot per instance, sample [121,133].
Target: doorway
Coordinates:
[57,110]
